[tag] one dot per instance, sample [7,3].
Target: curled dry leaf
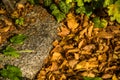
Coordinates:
[105,35]
[71,22]
[54,66]
[2,11]
[114,77]
[5,29]
[56,56]
[106,76]
[90,30]
[88,74]
[80,44]
[89,47]
[20,6]
[72,63]
[85,65]
[64,31]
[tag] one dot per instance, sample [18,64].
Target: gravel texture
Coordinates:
[40,35]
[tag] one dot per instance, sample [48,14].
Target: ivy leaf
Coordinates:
[53,7]
[33,1]
[87,0]
[99,23]
[91,78]
[60,16]
[11,72]
[57,13]
[80,10]
[114,11]
[79,3]
[107,2]
[68,1]
[9,51]
[19,21]
[47,2]
[64,7]
[18,39]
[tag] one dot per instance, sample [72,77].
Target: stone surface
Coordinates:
[40,35]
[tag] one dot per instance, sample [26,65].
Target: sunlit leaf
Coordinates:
[114,11]
[90,78]
[99,23]
[9,51]
[18,39]
[11,72]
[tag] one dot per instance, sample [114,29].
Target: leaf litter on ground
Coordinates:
[84,52]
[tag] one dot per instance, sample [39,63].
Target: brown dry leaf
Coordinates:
[65,47]
[102,57]
[41,75]
[57,48]
[51,77]
[88,74]
[56,56]
[20,6]
[54,66]
[89,47]
[73,50]
[0,39]
[111,68]
[83,32]
[86,65]
[72,63]
[65,62]
[104,34]
[76,55]
[2,11]
[106,76]
[114,77]
[64,31]
[90,30]
[5,29]
[85,23]
[80,44]
[15,14]
[85,52]
[71,22]
[63,77]
[55,43]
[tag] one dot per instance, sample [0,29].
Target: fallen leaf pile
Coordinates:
[7,21]
[83,51]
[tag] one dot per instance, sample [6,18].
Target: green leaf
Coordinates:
[11,72]
[87,1]
[80,10]
[80,3]
[53,7]
[114,11]
[60,16]
[31,1]
[47,2]
[68,1]
[57,13]
[9,51]
[18,39]
[64,7]
[107,2]
[91,78]
[99,23]
[19,21]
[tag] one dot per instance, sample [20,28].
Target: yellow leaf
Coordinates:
[56,56]
[114,77]
[5,29]
[64,32]
[71,22]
